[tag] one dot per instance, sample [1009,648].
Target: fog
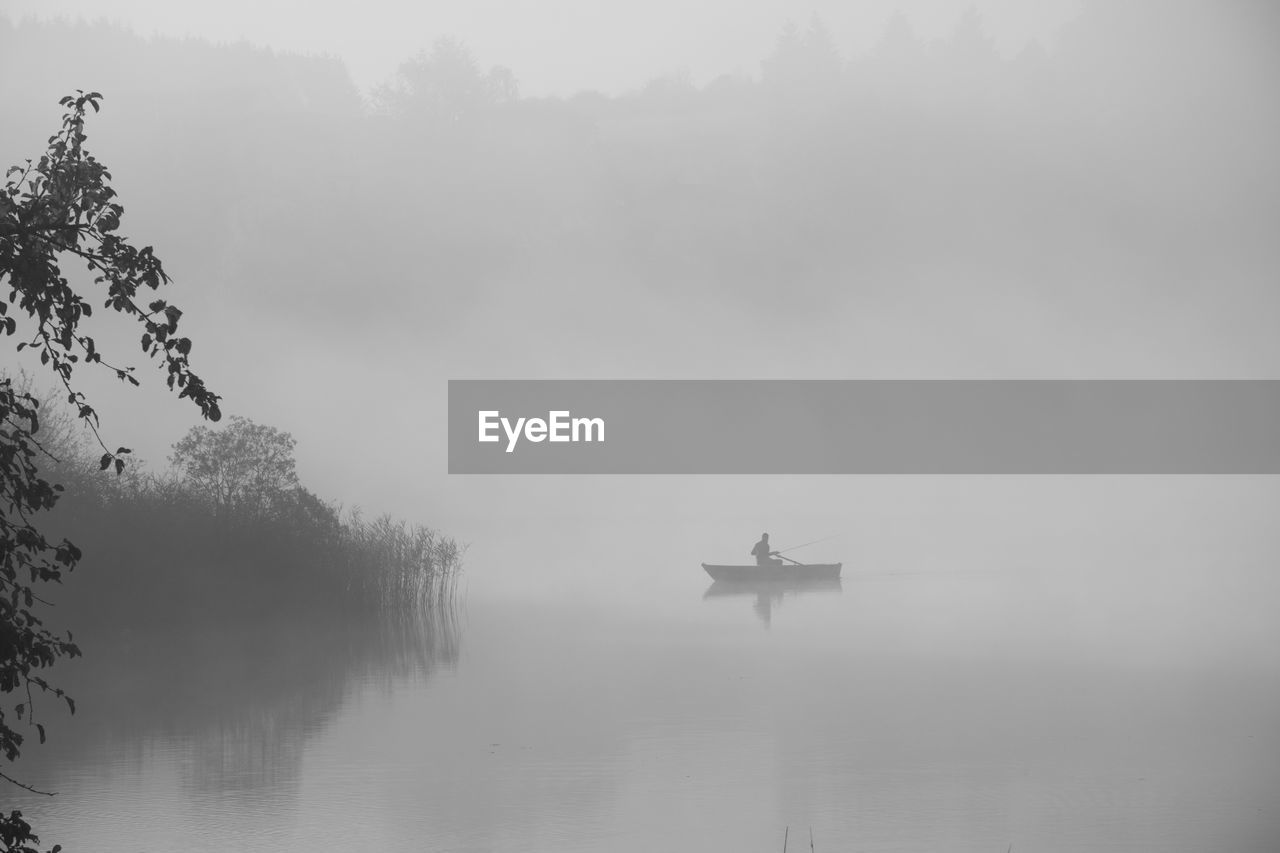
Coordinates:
[360,204]
[920,207]
[559,47]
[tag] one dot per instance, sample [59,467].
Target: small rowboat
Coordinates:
[786,572]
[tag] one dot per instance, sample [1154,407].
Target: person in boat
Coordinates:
[765,557]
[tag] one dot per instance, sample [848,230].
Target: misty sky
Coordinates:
[555,47]
[1116,227]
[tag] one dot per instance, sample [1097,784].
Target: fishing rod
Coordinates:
[806,544]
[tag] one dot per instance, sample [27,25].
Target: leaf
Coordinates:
[104,462]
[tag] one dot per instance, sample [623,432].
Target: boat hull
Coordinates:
[786,572]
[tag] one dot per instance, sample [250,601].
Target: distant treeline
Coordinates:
[227,531]
[1146,131]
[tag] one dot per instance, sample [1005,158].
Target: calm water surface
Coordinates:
[951,695]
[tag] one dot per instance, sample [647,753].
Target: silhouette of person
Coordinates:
[764,557]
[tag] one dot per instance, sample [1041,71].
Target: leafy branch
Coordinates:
[60,207]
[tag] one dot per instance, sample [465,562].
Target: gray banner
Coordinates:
[863,427]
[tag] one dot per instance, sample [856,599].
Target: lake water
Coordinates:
[1085,680]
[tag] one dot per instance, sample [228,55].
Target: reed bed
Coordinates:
[155,550]
[392,564]
[159,546]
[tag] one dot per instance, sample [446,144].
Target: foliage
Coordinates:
[16,835]
[294,553]
[801,62]
[1105,149]
[446,88]
[61,206]
[243,468]
[286,551]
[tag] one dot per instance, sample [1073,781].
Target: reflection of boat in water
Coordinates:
[769,593]
[771,574]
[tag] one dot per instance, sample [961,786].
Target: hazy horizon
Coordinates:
[934,212]
[564,47]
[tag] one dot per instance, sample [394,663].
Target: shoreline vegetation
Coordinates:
[227,531]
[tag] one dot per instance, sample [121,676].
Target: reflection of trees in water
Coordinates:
[236,704]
